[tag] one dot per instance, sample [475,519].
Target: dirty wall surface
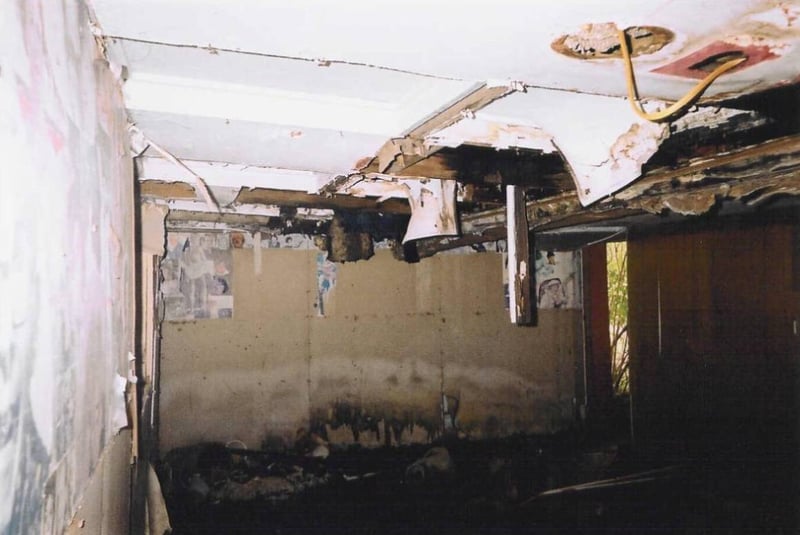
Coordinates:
[66,265]
[395,344]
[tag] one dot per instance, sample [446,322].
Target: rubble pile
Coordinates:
[212,472]
[460,481]
[513,485]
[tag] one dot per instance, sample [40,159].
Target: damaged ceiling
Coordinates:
[270,112]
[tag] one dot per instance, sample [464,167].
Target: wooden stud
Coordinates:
[520,268]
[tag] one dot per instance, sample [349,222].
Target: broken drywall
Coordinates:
[152,228]
[401,349]
[66,263]
[603,143]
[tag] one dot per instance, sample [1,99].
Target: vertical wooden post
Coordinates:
[520,268]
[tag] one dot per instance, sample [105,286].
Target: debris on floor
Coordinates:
[212,472]
[520,484]
[435,463]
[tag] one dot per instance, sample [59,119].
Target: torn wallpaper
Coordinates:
[198,277]
[558,283]
[558,279]
[326,279]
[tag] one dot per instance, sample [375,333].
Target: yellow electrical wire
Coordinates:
[680,105]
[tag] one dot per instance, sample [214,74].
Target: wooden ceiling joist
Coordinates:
[336,202]
[752,175]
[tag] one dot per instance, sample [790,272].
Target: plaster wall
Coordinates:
[66,267]
[395,338]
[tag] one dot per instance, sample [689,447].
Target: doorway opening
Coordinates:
[617,269]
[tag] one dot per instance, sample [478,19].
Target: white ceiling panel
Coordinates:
[473,40]
[400,97]
[227,175]
[215,139]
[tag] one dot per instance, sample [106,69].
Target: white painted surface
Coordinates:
[433,209]
[66,262]
[392,89]
[475,40]
[250,143]
[490,130]
[588,130]
[231,175]
[299,109]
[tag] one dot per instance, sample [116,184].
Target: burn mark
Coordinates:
[374,423]
[697,64]
[169,190]
[711,63]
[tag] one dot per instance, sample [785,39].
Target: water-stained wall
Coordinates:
[394,341]
[66,269]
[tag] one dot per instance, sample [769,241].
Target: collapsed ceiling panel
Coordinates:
[310,104]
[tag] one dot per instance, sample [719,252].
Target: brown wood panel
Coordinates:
[599,389]
[723,368]
[643,325]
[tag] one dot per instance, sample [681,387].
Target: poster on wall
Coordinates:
[326,280]
[557,279]
[198,277]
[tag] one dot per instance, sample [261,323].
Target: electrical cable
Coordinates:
[680,105]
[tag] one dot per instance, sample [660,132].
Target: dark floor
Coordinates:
[491,487]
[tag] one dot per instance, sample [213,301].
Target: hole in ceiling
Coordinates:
[712,62]
[597,41]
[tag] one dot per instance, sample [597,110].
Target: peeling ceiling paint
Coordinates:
[291,96]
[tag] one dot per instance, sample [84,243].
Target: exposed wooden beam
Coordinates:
[397,154]
[176,217]
[481,97]
[166,190]
[434,166]
[697,170]
[336,202]
[752,174]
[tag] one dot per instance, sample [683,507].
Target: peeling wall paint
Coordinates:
[395,339]
[607,148]
[66,261]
